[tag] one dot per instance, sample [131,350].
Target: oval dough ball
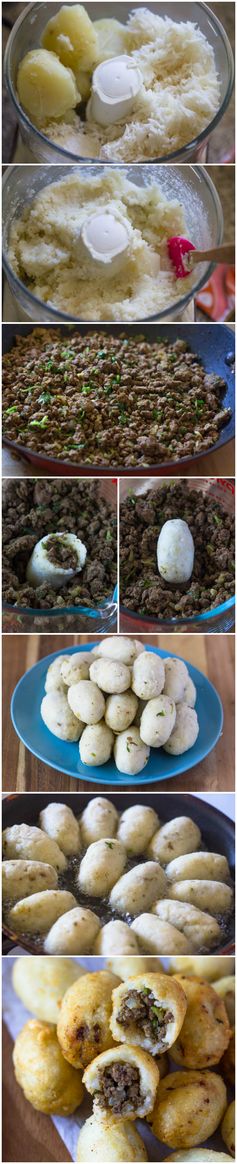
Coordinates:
[59,822]
[120,710]
[75,667]
[185,731]
[86,702]
[155,935]
[175,551]
[147,1012]
[174,838]
[99,819]
[205,1032]
[125,967]
[54,679]
[138,889]
[203,966]
[136,826]
[21,878]
[189,1107]
[71,34]
[111,676]
[29,842]
[104,1139]
[113,938]
[228,1128]
[41,983]
[176,678]
[119,648]
[211,895]
[83,1026]
[75,933]
[225,987]
[37,913]
[49,1083]
[204,866]
[204,1155]
[101,866]
[199,928]
[96,744]
[148,675]
[139,1076]
[130,753]
[157,721]
[45,87]
[190,694]
[58,716]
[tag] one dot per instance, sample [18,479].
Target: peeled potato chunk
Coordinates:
[72,36]
[46,89]
[112,38]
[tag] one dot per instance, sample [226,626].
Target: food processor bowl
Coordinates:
[219,618]
[26,35]
[79,619]
[191,185]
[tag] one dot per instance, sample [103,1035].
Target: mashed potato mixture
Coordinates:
[46,249]
[177,98]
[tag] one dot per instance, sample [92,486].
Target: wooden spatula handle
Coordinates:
[223,254]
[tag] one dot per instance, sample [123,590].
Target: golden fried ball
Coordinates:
[227,1063]
[188,1108]
[41,983]
[103,1138]
[205,1033]
[48,1081]
[83,1026]
[228,1128]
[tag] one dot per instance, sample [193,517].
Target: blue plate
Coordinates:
[25,712]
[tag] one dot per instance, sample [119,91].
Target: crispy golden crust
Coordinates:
[189,1107]
[168,994]
[49,1083]
[83,1026]
[206,1032]
[228,1128]
[148,1072]
[227,1063]
[106,1139]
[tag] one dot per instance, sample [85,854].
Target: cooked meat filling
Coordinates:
[110,399]
[212,581]
[61,554]
[142,1009]
[120,1088]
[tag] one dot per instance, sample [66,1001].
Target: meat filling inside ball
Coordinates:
[120,1088]
[140,1006]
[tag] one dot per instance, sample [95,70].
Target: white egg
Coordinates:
[175,551]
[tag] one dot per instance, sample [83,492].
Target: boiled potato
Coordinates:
[119,648]
[130,753]
[49,1083]
[148,675]
[211,895]
[205,866]
[71,34]
[176,678]
[157,721]
[120,710]
[225,987]
[74,933]
[115,936]
[29,842]
[174,838]
[184,732]
[37,913]
[138,889]
[45,88]
[101,866]
[112,38]
[99,819]
[96,744]
[41,983]
[75,667]
[228,1128]
[58,716]
[200,928]
[203,966]
[54,679]
[111,676]
[86,702]
[22,878]
[155,936]
[137,824]
[83,81]
[59,822]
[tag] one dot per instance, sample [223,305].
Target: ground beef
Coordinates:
[35,508]
[120,1088]
[212,581]
[116,400]
[142,1008]
[61,554]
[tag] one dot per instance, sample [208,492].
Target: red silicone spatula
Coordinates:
[184,256]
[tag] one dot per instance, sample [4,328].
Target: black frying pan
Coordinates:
[218,831]
[214,345]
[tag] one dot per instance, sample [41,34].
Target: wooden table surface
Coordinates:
[212,654]
[28,1135]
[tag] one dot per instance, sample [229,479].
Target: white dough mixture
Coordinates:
[178,98]
[46,249]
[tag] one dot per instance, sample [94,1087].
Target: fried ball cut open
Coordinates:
[147,1012]
[107,1139]
[42,982]
[48,1081]
[206,1032]
[189,1107]
[83,1026]
[124,1081]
